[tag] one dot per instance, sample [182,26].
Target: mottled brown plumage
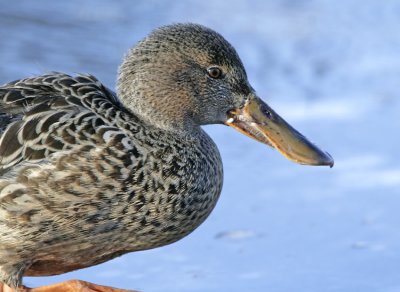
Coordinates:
[88,175]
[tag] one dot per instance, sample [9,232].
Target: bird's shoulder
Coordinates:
[55,112]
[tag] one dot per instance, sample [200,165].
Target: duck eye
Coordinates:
[214,72]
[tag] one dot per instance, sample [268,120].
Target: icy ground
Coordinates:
[331,68]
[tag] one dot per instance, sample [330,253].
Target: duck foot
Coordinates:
[67,286]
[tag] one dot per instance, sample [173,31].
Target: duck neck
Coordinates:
[152,103]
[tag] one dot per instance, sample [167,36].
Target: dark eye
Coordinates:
[214,72]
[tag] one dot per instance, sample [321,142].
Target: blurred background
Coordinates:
[330,68]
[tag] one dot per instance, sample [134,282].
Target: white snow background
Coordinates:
[330,68]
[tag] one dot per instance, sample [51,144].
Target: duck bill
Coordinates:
[260,122]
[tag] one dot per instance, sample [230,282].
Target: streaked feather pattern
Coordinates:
[84,180]
[52,112]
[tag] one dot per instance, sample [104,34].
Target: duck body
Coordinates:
[102,183]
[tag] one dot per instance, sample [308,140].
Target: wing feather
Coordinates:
[54,112]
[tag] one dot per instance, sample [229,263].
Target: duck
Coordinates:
[88,174]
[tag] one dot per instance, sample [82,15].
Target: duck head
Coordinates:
[183,76]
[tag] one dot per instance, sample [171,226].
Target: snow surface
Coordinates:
[331,68]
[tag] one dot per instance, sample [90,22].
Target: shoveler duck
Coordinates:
[88,174]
